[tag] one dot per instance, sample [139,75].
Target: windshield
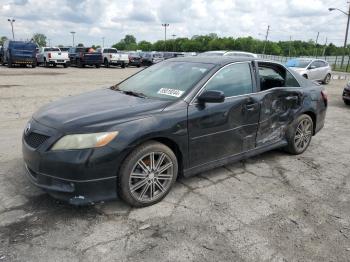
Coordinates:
[166,80]
[298,63]
[112,51]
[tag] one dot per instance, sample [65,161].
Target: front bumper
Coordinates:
[76,176]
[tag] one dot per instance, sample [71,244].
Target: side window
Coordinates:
[233,80]
[314,64]
[290,80]
[275,76]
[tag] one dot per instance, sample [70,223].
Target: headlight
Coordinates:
[82,141]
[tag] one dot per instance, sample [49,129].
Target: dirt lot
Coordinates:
[274,207]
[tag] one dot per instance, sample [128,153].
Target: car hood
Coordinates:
[98,110]
[298,69]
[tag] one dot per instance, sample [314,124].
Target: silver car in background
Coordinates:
[313,69]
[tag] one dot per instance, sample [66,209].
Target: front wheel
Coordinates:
[299,134]
[147,174]
[327,79]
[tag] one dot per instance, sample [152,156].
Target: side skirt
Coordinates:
[234,158]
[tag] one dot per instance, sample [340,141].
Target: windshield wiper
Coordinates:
[130,93]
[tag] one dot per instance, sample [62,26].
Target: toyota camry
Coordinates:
[177,118]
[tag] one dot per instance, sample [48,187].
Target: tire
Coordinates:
[65,65]
[137,190]
[327,79]
[46,64]
[299,134]
[9,63]
[34,65]
[123,65]
[106,63]
[98,66]
[347,102]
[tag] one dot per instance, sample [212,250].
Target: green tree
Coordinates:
[39,39]
[129,39]
[2,40]
[144,46]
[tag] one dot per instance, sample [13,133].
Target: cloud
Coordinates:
[93,19]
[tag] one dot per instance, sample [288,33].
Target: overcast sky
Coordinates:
[112,19]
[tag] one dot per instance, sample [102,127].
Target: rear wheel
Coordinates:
[46,64]
[299,134]
[9,63]
[123,65]
[327,79]
[79,63]
[347,102]
[147,174]
[106,63]
[98,65]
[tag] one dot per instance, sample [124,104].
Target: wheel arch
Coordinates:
[171,143]
[314,119]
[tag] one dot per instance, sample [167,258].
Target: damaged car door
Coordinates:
[281,98]
[222,129]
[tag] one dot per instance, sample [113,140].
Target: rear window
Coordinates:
[52,50]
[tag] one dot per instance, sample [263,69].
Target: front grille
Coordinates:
[34,140]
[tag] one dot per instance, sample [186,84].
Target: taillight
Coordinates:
[324,97]
[49,55]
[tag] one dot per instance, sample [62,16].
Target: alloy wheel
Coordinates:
[303,134]
[151,177]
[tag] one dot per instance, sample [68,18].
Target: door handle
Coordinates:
[251,106]
[292,98]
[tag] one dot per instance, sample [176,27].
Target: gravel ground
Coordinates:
[273,207]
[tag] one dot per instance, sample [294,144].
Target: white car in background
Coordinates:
[313,69]
[52,56]
[228,53]
[111,56]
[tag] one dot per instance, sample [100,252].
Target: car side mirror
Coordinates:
[312,67]
[211,96]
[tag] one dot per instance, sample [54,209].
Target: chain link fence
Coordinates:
[334,61]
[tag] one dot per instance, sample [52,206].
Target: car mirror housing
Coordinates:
[211,96]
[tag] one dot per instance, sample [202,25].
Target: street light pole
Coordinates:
[267,35]
[165,26]
[73,33]
[174,41]
[11,22]
[346,32]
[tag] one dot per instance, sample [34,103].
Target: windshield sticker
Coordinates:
[170,92]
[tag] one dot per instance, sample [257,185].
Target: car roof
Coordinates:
[218,60]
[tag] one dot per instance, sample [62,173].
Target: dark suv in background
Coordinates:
[18,53]
[81,56]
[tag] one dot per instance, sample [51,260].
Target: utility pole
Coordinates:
[11,22]
[173,35]
[165,26]
[290,44]
[103,42]
[325,46]
[267,34]
[315,53]
[73,33]
[346,32]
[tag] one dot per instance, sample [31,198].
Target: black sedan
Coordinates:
[179,117]
[346,94]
